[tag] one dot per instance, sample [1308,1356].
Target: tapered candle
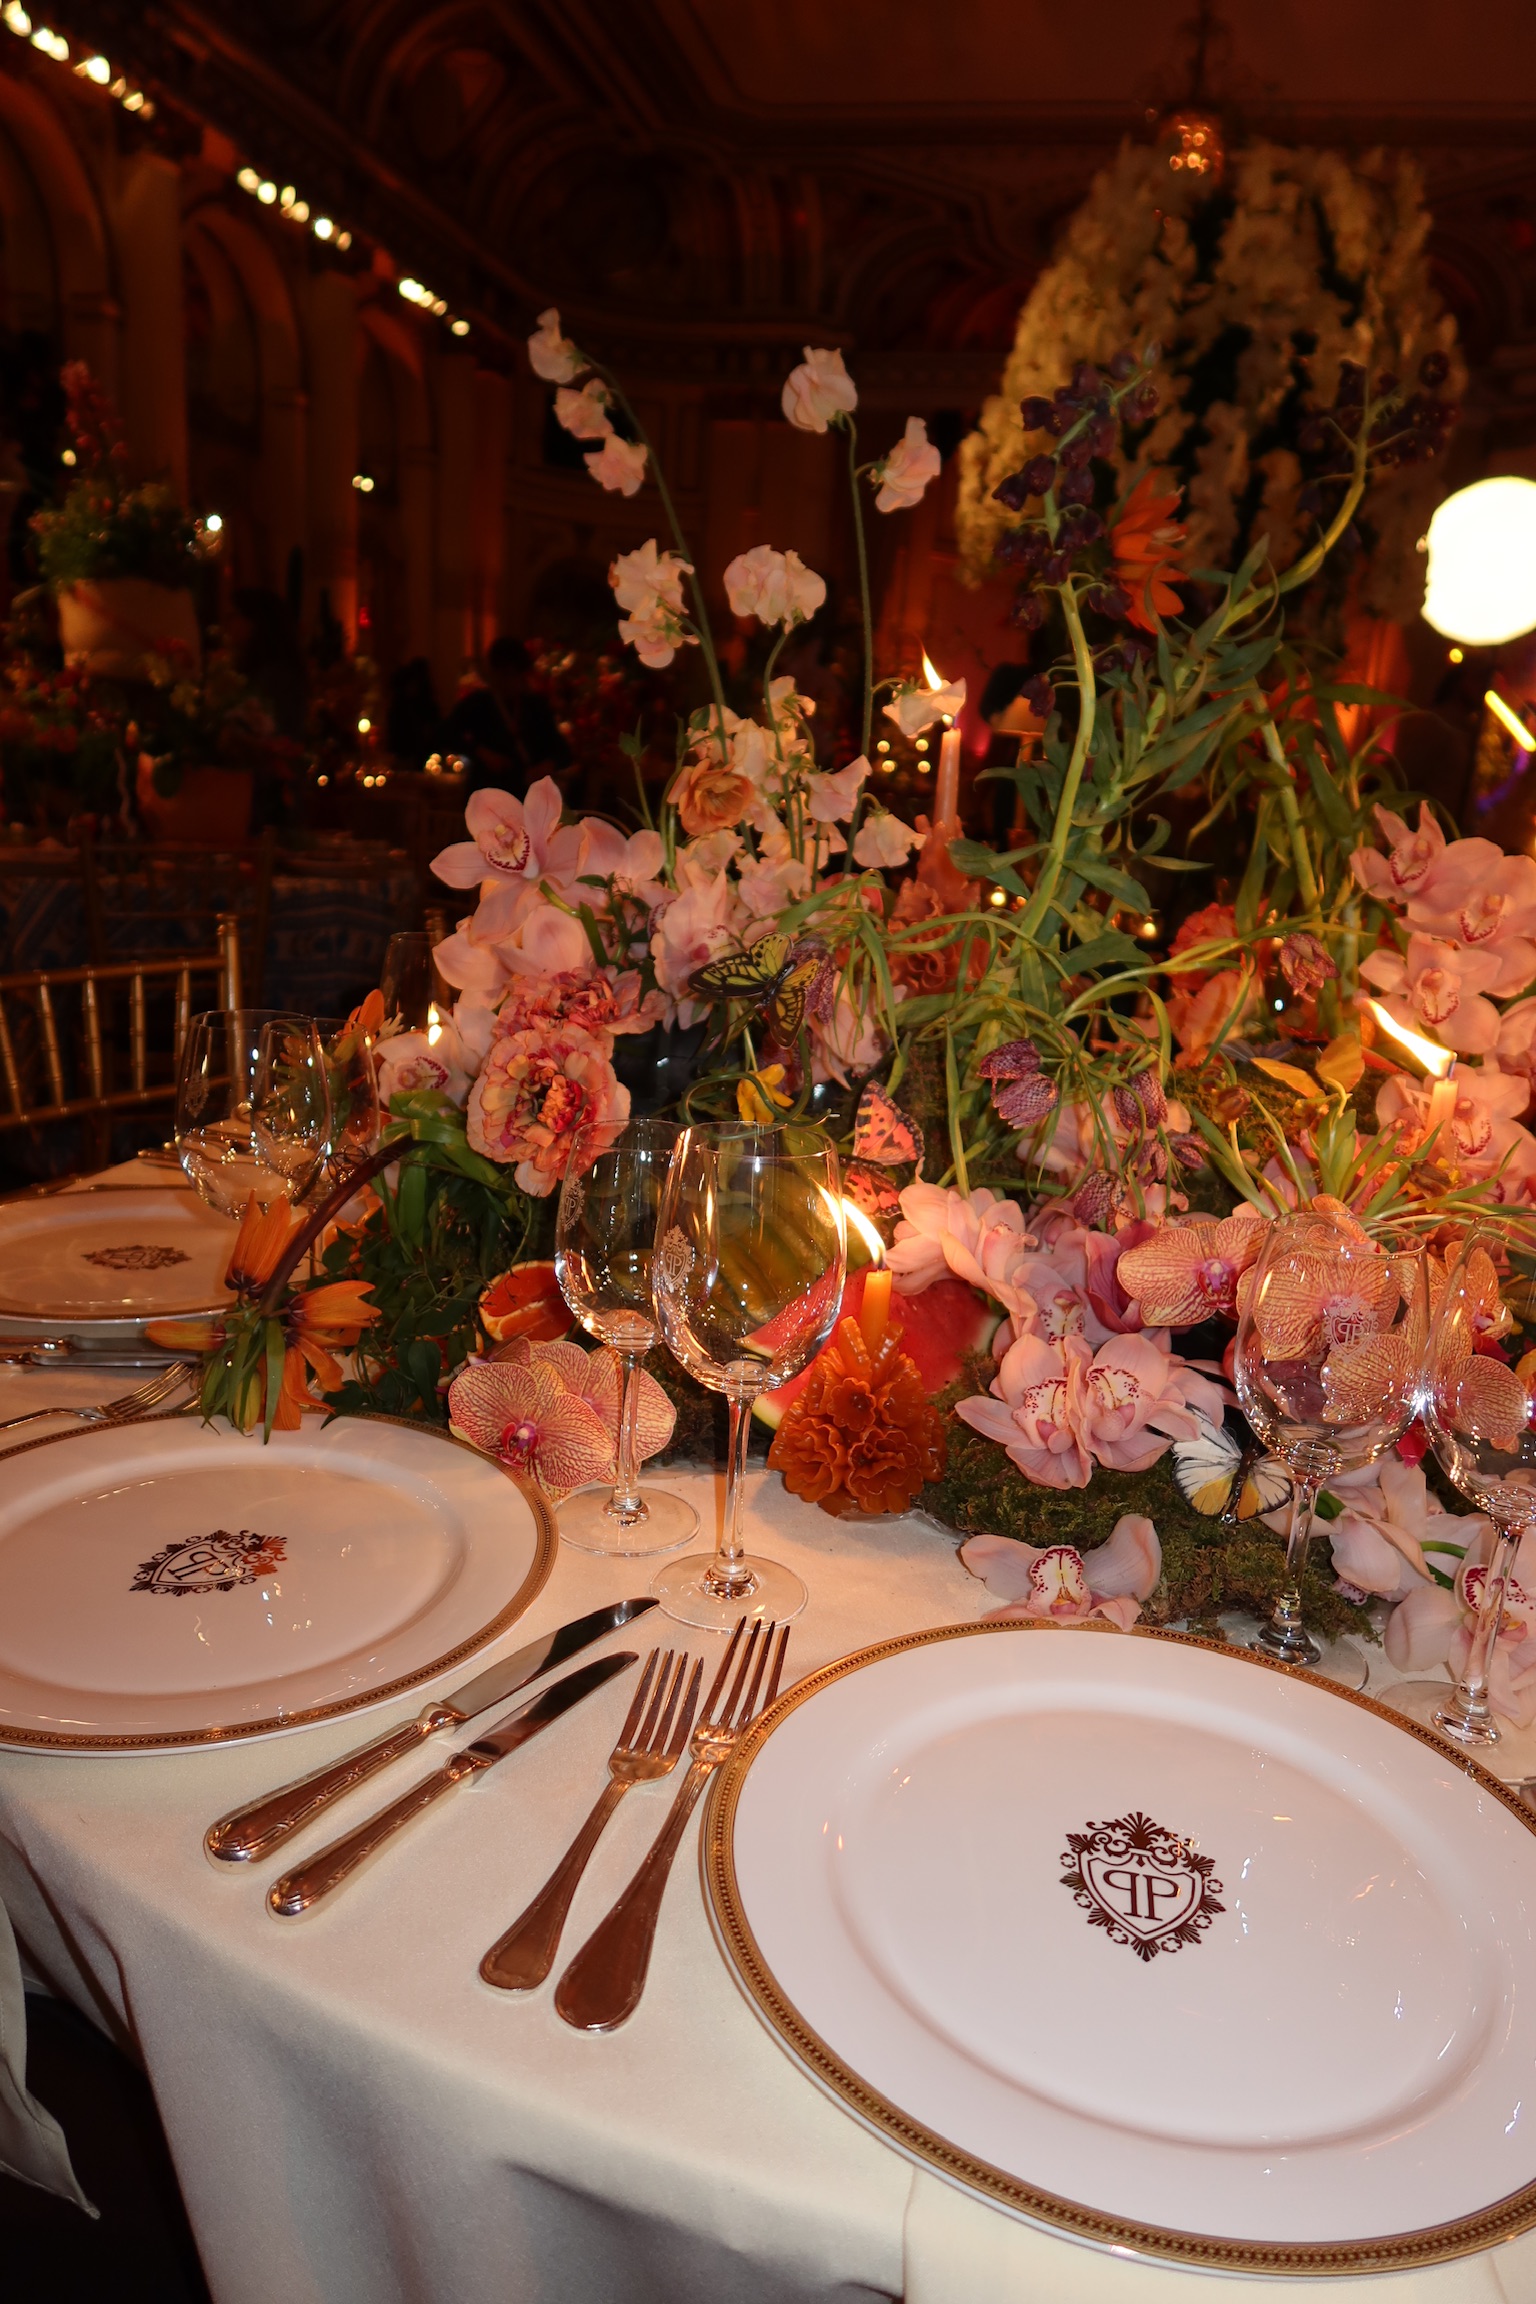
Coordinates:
[946,800]
[875,1309]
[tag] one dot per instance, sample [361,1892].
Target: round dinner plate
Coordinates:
[1147,1940]
[172,1583]
[89,1263]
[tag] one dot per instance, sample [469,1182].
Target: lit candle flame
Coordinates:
[1438,1062]
[866,1231]
[935,679]
[434,1023]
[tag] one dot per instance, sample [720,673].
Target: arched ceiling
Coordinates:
[709,180]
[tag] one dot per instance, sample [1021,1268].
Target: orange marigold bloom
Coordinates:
[1145,541]
[863,1435]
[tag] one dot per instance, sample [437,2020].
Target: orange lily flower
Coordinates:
[1145,541]
[263,1235]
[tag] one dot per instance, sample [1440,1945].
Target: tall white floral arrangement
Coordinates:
[1255,293]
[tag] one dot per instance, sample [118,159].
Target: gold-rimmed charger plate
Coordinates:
[97,1263]
[1148,1941]
[168,1584]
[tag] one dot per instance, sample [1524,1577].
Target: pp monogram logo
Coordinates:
[1146,1887]
[214,1563]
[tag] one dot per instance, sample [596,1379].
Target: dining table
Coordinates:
[356,2118]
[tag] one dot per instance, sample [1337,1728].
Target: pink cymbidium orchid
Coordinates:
[1060,1585]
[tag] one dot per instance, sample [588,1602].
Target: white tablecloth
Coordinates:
[356,2119]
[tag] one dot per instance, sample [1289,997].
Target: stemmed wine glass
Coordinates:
[409,980]
[604,1232]
[252,1106]
[751,1249]
[1327,1367]
[355,1114]
[1479,1412]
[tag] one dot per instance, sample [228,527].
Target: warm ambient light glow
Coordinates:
[1511,720]
[214,524]
[1482,563]
[1438,1062]
[934,679]
[855,1215]
[363,483]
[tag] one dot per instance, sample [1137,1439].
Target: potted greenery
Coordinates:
[119,560]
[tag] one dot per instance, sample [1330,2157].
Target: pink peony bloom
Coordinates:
[817,391]
[535,1088]
[508,838]
[602,1003]
[906,472]
[979,1238]
[1440,988]
[1061,1585]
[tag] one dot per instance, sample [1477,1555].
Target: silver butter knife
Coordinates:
[298,1891]
[264,1824]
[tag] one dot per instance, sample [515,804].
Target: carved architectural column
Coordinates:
[330,330]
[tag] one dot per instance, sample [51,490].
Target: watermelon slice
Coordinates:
[939,1330]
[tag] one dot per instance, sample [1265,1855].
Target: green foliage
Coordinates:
[99,531]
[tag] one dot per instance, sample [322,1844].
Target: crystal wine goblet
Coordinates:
[355,1113]
[215,1128]
[1327,1366]
[1481,1417]
[604,1232]
[291,1117]
[751,1249]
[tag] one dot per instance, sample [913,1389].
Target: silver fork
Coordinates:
[525,1955]
[603,1984]
[123,1411]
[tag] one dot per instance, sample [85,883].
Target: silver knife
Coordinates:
[297,1892]
[265,1824]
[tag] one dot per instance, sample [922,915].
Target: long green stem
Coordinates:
[696,582]
[1035,911]
[1285,792]
[869,624]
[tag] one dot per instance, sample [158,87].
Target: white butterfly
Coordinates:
[1224,1480]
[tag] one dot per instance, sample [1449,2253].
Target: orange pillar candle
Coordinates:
[946,799]
[875,1308]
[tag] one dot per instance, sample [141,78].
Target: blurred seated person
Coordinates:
[505,729]
[413,728]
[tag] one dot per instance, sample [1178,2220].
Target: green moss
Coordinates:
[1208,1565]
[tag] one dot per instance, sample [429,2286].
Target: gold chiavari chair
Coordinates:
[86,1044]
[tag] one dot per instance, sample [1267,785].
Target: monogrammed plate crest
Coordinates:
[1145,1886]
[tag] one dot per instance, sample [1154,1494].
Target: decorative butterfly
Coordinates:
[872,1191]
[1224,1479]
[776,973]
[882,1132]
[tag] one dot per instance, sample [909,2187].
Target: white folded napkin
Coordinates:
[32,2143]
[958,2250]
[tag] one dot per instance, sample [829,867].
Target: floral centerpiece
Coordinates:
[1041,1116]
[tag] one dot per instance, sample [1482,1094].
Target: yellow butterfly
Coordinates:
[766,974]
[1224,1480]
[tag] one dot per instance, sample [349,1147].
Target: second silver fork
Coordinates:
[603,1984]
[650,1744]
[120,1411]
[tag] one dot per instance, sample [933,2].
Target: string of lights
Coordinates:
[266,190]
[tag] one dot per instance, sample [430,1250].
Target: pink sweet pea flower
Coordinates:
[1061,1585]
[818,391]
[906,472]
[694,926]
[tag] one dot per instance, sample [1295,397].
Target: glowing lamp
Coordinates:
[1482,563]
